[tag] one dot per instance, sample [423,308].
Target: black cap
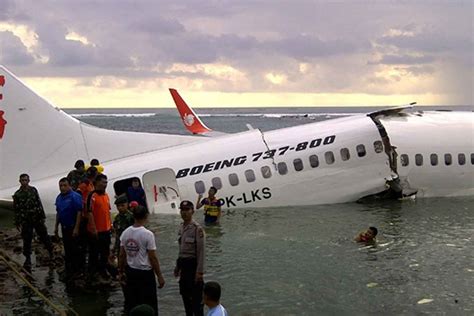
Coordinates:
[121,199]
[186,205]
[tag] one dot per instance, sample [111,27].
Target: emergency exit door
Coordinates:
[161,189]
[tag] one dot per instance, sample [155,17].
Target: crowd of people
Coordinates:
[83,213]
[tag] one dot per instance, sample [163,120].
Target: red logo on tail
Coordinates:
[2,83]
[2,120]
[2,124]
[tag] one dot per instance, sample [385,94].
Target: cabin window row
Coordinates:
[282,167]
[434,160]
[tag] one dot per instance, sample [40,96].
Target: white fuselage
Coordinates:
[334,161]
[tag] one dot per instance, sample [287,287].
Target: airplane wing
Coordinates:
[392,110]
[190,119]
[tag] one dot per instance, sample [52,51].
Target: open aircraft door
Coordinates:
[161,189]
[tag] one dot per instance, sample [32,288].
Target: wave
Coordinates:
[263,115]
[114,114]
[278,115]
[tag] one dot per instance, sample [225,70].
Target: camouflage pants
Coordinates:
[27,236]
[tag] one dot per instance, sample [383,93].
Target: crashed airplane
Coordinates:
[386,154]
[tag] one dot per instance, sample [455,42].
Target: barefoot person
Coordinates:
[190,263]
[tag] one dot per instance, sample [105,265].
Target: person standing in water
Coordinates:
[212,206]
[138,264]
[190,264]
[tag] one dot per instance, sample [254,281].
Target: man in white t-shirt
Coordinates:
[212,296]
[138,264]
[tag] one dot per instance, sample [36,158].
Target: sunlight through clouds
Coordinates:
[262,53]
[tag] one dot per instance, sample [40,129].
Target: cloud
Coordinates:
[12,50]
[343,47]
[403,60]
[430,42]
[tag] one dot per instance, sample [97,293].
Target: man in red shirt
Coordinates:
[99,226]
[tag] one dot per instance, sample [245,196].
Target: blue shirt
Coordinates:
[219,310]
[67,207]
[137,195]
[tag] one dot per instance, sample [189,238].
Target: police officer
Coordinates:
[190,263]
[29,216]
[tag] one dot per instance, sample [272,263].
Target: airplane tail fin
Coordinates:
[40,139]
[191,121]
[35,137]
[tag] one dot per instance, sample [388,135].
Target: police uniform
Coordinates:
[29,215]
[191,239]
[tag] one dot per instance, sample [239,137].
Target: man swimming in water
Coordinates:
[368,235]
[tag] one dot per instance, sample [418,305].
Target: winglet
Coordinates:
[191,121]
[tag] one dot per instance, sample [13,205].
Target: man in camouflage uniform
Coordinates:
[122,221]
[76,176]
[29,216]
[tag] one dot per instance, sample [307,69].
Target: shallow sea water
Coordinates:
[302,260]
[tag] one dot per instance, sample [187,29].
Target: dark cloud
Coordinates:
[303,47]
[6,9]
[12,50]
[157,25]
[429,42]
[132,39]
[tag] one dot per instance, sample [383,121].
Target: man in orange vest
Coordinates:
[99,226]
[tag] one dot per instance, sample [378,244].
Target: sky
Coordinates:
[113,53]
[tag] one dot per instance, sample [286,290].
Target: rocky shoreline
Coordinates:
[14,290]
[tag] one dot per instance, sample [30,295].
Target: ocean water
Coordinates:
[301,260]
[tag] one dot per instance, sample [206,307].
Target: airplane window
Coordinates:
[378,146]
[461,159]
[217,183]
[250,175]
[329,156]
[345,155]
[360,150]
[448,160]
[472,159]
[434,159]
[419,159]
[233,179]
[200,187]
[266,172]
[298,164]
[282,168]
[314,161]
[404,160]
